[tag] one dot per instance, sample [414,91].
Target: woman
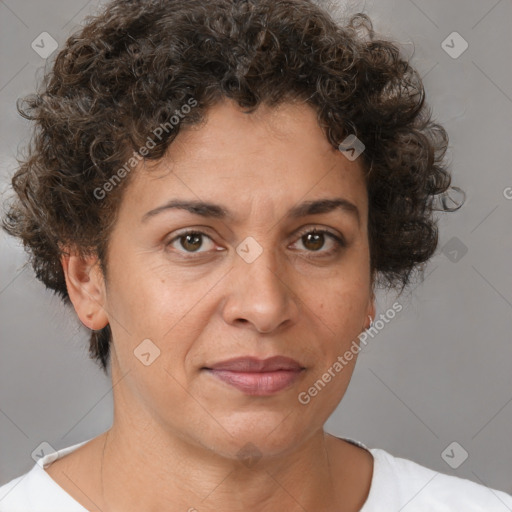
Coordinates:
[218,188]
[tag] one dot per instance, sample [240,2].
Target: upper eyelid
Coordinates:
[317,229]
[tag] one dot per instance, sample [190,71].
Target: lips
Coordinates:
[255,376]
[253,364]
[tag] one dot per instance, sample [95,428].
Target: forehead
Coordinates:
[274,156]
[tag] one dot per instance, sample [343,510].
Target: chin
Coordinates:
[255,436]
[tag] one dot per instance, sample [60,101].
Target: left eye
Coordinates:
[314,240]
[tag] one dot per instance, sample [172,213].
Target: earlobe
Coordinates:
[370,315]
[372,310]
[86,289]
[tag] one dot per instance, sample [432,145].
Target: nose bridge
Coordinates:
[264,268]
[259,294]
[260,262]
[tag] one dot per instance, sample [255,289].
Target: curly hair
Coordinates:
[134,64]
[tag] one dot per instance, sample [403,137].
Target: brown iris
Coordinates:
[193,241]
[317,239]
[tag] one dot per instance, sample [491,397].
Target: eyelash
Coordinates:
[339,242]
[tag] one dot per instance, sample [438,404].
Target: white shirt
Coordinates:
[397,485]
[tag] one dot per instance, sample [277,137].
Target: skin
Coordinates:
[177,430]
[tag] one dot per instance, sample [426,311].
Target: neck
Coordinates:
[194,478]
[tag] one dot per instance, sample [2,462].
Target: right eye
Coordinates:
[189,242]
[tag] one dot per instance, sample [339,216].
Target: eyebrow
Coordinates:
[216,211]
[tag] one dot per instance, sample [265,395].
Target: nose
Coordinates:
[260,294]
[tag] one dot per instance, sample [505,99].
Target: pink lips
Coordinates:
[256,376]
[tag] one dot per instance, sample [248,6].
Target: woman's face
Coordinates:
[250,282]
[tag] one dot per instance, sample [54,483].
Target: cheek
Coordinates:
[339,313]
[342,303]
[140,291]
[150,304]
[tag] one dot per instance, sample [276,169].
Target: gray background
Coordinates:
[439,372]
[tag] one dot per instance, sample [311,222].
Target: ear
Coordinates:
[86,288]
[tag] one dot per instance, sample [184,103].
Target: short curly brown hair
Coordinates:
[134,64]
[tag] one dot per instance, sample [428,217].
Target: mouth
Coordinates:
[257,377]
